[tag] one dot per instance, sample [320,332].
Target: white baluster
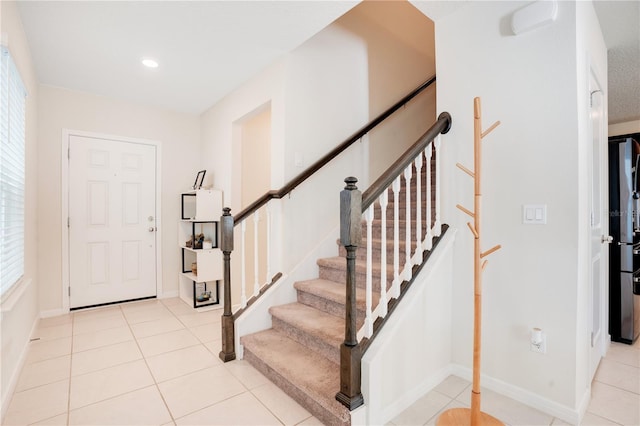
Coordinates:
[417,258]
[268,277]
[243,272]
[395,287]
[437,226]
[384,200]
[368,322]
[256,283]
[428,242]
[406,273]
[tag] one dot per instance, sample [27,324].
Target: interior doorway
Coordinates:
[599,224]
[252,179]
[255,141]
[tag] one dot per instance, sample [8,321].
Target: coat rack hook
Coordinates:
[464,169]
[490,129]
[467,211]
[473,230]
[491,250]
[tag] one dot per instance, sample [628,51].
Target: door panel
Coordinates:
[598,214]
[112,210]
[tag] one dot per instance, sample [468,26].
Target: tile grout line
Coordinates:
[604,418]
[155,382]
[175,350]
[440,411]
[617,387]
[73,322]
[265,405]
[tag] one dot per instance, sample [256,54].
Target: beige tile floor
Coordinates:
[156,362]
[615,398]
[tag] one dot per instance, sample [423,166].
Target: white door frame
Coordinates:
[66,134]
[601,344]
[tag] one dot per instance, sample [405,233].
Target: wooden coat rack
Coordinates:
[474,416]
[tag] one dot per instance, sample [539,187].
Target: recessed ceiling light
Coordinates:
[149,63]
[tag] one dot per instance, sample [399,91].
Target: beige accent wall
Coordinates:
[255,147]
[400,43]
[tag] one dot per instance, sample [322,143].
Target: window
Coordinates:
[12,172]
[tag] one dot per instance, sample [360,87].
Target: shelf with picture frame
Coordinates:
[201,259]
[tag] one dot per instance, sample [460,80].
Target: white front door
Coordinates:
[112,221]
[598,226]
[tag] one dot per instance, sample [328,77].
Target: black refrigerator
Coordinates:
[624,226]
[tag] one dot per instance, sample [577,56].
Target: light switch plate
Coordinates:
[534,214]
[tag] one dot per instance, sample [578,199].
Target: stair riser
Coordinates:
[402,213]
[339,276]
[376,253]
[376,230]
[320,412]
[328,306]
[329,352]
[403,189]
[402,201]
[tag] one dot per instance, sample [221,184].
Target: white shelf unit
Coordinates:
[202,205]
[201,210]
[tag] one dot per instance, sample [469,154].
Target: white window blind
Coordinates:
[12,172]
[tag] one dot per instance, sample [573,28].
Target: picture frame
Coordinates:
[199,179]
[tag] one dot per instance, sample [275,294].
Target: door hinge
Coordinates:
[69,153]
[68,222]
[593,343]
[591,97]
[69,288]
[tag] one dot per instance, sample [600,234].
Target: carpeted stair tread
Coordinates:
[307,377]
[339,262]
[334,292]
[311,327]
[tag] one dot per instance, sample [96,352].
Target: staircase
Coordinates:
[301,352]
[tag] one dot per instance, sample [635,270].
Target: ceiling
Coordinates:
[208,48]
[204,49]
[620,22]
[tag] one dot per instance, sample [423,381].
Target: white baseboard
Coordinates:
[397,407]
[567,414]
[13,382]
[168,294]
[53,313]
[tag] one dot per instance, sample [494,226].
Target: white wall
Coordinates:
[418,334]
[591,54]
[179,135]
[320,94]
[530,83]
[19,312]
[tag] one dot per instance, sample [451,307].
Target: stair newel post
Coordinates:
[228,352]
[350,393]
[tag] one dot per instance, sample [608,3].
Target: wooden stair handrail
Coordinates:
[227,352]
[265,198]
[353,204]
[441,126]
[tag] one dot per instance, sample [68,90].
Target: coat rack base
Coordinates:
[462,417]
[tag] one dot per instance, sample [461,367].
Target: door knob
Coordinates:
[151,229]
[607,239]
